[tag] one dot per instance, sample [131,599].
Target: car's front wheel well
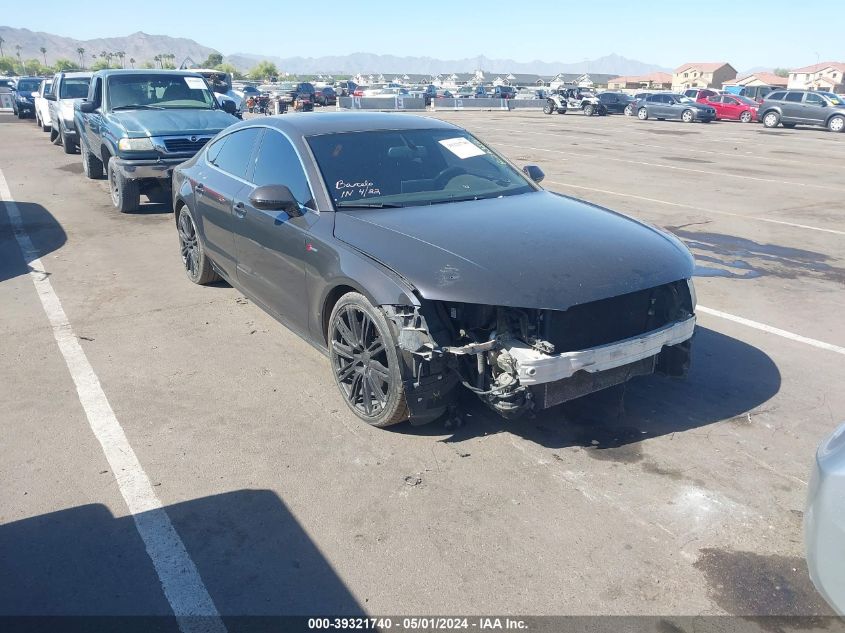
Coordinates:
[328,305]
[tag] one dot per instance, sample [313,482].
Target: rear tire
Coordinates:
[589,109]
[370,383]
[836,124]
[549,107]
[92,166]
[125,195]
[771,119]
[197,266]
[642,114]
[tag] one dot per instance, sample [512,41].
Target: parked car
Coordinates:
[532,93]
[732,107]
[345,88]
[824,521]
[298,96]
[667,105]
[503,92]
[42,106]
[697,94]
[69,88]
[803,107]
[351,229]
[617,103]
[137,125]
[23,105]
[325,96]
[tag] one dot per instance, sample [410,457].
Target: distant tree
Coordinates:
[18,53]
[121,55]
[168,59]
[34,67]
[782,72]
[132,62]
[213,60]
[1,47]
[148,64]
[264,70]
[7,65]
[81,52]
[157,59]
[44,53]
[100,64]
[63,64]
[228,68]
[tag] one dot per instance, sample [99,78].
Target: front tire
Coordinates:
[687,116]
[771,119]
[745,117]
[125,195]
[365,363]
[642,114]
[197,266]
[629,110]
[836,124]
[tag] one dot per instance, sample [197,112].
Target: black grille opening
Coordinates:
[609,320]
[184,145]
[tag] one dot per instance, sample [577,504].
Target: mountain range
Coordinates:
[144,47]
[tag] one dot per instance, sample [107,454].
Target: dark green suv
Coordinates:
[803,107]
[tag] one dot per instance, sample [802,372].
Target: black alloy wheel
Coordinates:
[365,363]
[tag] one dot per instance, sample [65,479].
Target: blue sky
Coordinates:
[746,34]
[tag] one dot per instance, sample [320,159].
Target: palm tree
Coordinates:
[132,62]
[122,57]
[81,52]
[1,46]
[44,53]
[18,53]
[157,59]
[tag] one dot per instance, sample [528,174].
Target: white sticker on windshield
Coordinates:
[462,148]
[195,83]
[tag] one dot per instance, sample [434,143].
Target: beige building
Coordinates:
[827,76]
[652,81]
[702,75]
[759,79]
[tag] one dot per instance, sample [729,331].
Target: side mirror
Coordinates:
[275,198]
[229,106]
[534,173]
[49,96]
[86,106]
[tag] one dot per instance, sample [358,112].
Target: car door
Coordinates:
[94,121]
[654,105]
[52,103]
[791,107]
[220,178]
[671,109]
[271,246]
[813,109]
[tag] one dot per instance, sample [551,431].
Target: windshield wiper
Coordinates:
[137,106]
[369,205]
[463,199]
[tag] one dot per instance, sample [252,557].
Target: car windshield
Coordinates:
[399,168]
[28,85]
[75,88]
[158,91]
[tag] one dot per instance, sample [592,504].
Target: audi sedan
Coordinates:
[666,105]
[421,261]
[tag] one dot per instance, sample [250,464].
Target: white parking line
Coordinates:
[179,577]
[771,330]
[694,208]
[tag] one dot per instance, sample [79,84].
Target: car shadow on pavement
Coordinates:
[727,379]
[45,233]
[253,556]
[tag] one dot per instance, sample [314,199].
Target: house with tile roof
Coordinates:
[702,75]
[762,78]
[829,76]
[651,81]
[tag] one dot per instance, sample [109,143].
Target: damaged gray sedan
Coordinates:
[423,262]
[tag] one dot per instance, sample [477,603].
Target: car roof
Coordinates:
[315,123]
[74,74]
[148,71]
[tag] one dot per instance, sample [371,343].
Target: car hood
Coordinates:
[537,250]
[172,122]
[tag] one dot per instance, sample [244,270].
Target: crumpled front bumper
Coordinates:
[534,367]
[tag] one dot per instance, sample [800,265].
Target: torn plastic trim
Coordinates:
[533,367]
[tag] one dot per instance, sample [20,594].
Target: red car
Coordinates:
[732,107]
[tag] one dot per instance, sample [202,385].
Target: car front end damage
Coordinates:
[517,360]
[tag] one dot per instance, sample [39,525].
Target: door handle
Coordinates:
[240,209]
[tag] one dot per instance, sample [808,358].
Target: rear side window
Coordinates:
[775,96]
[278,164]
[794,97]
[233,155]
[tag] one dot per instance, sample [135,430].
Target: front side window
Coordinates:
[74,88]
[233,154]
[278,164]
[412,168]
[814,99]
[157,91]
